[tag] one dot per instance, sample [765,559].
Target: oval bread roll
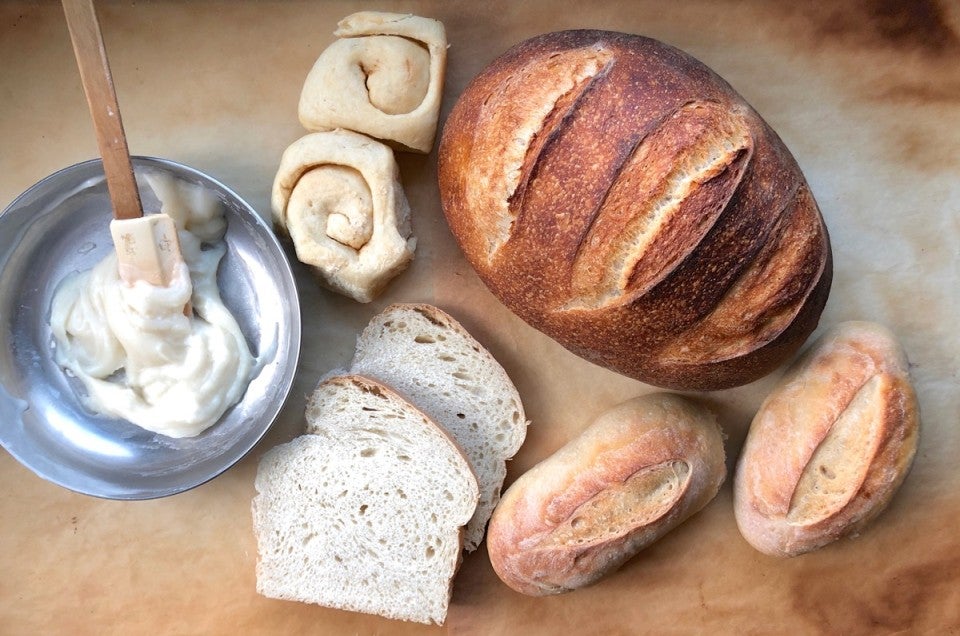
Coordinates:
[619,196]
[830,446]
[639,471]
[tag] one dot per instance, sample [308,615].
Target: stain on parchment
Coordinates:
[903,601]
[908,51]
[898,61]
[920,26]
[923,93]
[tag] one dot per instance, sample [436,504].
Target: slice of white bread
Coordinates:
[430,359]
[365,512]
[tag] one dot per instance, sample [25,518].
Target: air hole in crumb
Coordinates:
[448,495]
[576,522]
[368,452]
[424,339]
[462,375]
[826,472]
[430,552]
[461,415]
[363,509]
[403,458]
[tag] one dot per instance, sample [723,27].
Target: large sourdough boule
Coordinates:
[621,197]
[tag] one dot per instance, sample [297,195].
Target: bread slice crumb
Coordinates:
[364,513]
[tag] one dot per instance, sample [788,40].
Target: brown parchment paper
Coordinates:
[867,96]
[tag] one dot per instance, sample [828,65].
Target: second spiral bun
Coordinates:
[621,197]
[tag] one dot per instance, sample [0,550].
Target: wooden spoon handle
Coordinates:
[102,99]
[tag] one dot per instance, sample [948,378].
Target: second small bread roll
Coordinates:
[639,471]
[337,195]
[831,444]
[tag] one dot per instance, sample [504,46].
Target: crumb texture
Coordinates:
[430,359]
[364,512]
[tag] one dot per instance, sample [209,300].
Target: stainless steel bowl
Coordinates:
[61,225]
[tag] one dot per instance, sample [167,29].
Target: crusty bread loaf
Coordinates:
[831,444]
[365,512]
[639,471]
[430,359]
[619,196]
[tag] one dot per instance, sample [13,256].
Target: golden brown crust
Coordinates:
[639,471]
[619,196]
[831,444]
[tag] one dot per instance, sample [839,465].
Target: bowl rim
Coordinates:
[295,333]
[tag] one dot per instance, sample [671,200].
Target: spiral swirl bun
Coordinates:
[337,195]
[618,195]
[384,78]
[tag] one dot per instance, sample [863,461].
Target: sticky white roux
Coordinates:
[139,357]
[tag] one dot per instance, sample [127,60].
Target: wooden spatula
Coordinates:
[147,247]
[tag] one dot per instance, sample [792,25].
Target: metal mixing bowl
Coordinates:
[61,225]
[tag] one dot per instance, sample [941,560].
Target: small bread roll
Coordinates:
[383,79]
[337,194]
[639,471]
[831,445]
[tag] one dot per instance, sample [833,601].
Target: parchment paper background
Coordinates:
[867,96]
